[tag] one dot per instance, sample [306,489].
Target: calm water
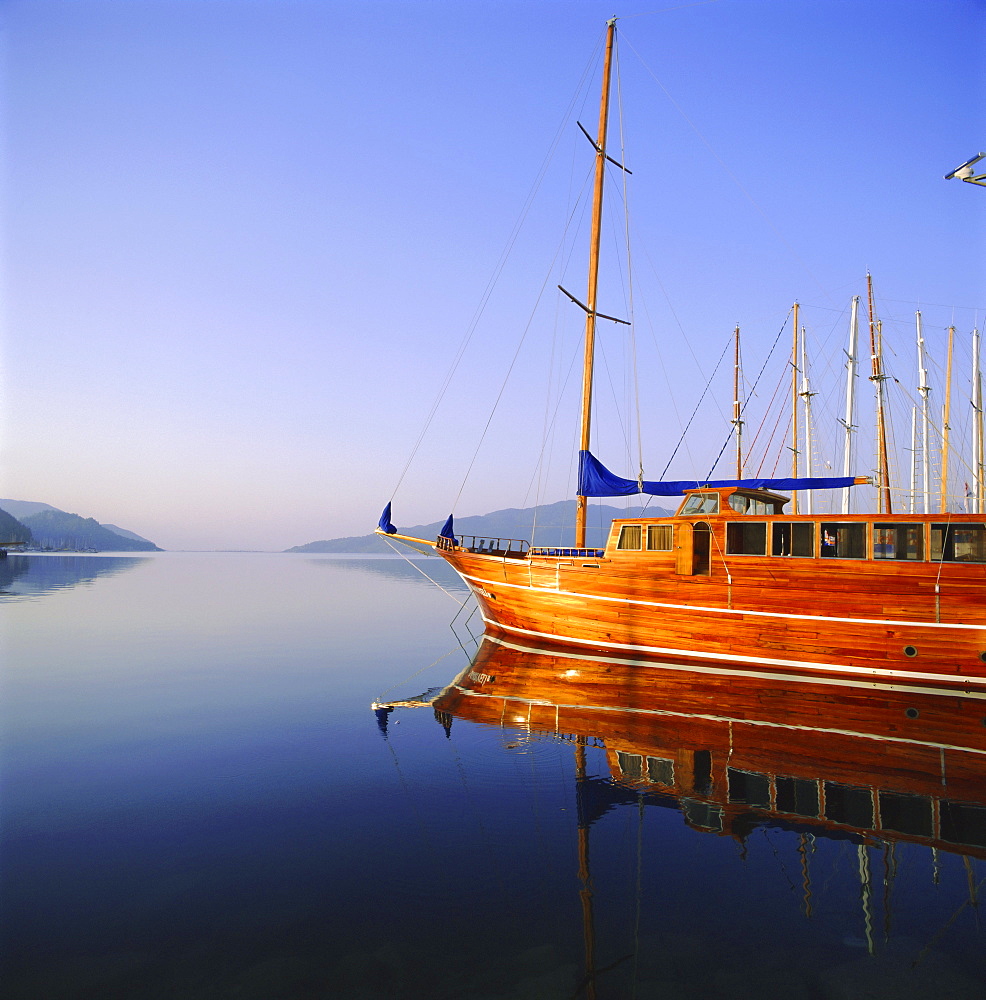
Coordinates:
[197,801]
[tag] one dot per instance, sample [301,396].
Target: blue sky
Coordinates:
[243,241]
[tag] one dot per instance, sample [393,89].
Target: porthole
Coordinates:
[910,651]
[982,656]
[911,713]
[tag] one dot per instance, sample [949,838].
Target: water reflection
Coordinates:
[29,576]
[873,770]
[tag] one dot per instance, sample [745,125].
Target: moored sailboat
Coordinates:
[731,578]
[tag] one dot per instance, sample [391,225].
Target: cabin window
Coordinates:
[898,541]
[744,504]
[629,537]
[660,770]
[798,796]
[849,805]
[963,823]
[748,787]
[701,503]
[659,537]
[905,813]
[958,542]
[743,539]
[793,539]
[631,765]
[843,541]
[703,815]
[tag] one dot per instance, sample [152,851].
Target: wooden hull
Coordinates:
[914,624]
[865,760]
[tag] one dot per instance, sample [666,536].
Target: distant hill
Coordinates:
[123,533]
[11,530]
[547,524]
[24,508]
[57,529]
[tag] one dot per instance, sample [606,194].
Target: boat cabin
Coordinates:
[752,522]
[730,500]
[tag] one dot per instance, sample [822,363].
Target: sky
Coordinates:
[246,245]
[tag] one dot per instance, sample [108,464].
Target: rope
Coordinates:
[415,674]
[461,604]
[698,406]
[752,391]
[497,271]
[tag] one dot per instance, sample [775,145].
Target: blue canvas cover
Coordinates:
[595,480]
[446,531]
[385,523]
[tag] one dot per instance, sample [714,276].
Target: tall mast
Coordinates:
[851,375]
[977,427]
[737,422]
[590,316]
[806,395]
[946,417]
[913,489]
[925,391]
[794,412]
[881,426]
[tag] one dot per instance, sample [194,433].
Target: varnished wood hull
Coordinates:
[916,755]
[913,624]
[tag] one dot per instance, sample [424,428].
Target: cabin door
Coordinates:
[694,554]
[701,549]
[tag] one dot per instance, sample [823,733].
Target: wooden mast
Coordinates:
[596,235]
[881,425]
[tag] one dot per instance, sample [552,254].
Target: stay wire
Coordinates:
[497,270]
[753,389]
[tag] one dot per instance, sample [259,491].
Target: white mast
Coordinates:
[925,391]
[977,428]
[806,395]
[914,460]
[851,376]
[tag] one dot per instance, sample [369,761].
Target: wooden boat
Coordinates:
[859,760]
[731,579]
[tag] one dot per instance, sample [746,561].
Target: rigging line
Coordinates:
[416,673]
[424,574]
[781,381]
[732,176]
[695,411]
[500,265]
[667,10]
[753,389]
[626,227]
[513,362]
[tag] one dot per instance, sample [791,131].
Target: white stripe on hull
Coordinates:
[696,668]
[711,610]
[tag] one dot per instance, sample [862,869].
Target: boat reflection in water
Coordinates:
[872,765]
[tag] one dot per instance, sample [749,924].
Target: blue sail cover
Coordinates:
[446,531]
[595,480]
[385,523]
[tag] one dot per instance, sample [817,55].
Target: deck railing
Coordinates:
[560,550]
[508,548]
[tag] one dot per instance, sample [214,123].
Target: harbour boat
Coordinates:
[877,770]
[874,762]
[736,578]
